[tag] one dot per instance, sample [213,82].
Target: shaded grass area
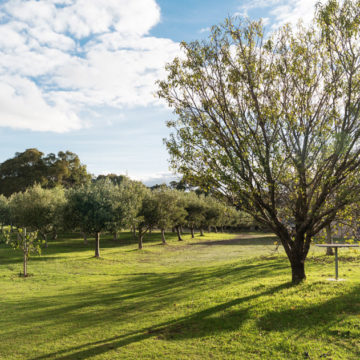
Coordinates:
[222,296]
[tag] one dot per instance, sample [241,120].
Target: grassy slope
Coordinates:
[200,299]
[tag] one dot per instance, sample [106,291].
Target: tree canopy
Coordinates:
[271,121]
[31,167]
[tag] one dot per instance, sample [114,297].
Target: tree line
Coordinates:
[28,218]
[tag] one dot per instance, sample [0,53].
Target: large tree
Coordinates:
[271,121]
[31,167]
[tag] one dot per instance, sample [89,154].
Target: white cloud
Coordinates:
[156,179]
[23,106]
[204,30]
[281,11]
[59,57]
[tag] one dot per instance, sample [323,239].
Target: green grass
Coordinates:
[198,299]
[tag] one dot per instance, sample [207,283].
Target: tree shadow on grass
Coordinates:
[312,317]
[209,322]
[199,324]
[127,298]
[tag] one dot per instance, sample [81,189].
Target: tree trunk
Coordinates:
[163,236]
[85,238]
[25,264]
[329,250]
[201,232]
[115,235]
[222,229]
[192,232]
[297,270]
[25,253]
[178,233]
[141,235]
[97,245]
[45,239]
[216,230]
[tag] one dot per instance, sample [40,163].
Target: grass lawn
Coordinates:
[222,296]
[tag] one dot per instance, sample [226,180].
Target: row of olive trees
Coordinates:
[28,218]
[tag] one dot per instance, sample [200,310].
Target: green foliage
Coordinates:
[91,207]
[195,208]
[4,211]
[19,238]
[37,209]
[131,194]
[115,179]
[169,208]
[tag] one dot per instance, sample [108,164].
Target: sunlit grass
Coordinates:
[198,299]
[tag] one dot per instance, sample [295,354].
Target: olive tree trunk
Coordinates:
[140,240]
[25,264]
[192,232]
[45,239]
[26,251]
[97,245]
[85,238]
[178,233]
[163,236]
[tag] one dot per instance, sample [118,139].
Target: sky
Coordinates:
[80,75]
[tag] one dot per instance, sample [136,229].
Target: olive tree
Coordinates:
[27,241]
[169,210]
[147,216]
[271,121]
[195,209]
[179,213]
[131,194]
[92,209]
[30,212]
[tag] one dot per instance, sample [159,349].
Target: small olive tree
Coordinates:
[27,241]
